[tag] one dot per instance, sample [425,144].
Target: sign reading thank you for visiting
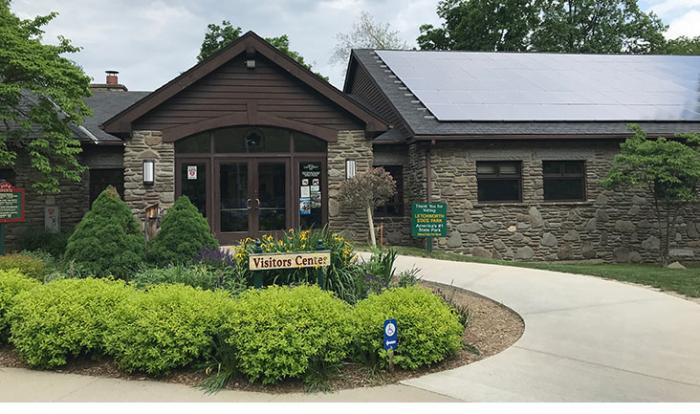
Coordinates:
[272,261]
[429,220]
[11,203]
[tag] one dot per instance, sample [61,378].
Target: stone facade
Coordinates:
[73,201]
[608,225]
[350,145]
[148,145]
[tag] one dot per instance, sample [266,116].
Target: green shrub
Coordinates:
[285,332]
[108,240]
[340,277]
[201,276]
[37,238]
[12,282]
[428,329]
[62,319]
[165,327]
[184,232]
[28,265]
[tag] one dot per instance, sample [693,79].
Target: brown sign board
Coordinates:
[276,261]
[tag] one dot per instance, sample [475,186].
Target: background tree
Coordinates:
[41,96]
[368,191]
[218,37]
[571,26]
[481,25]
[682,46]
[668,170]
[366,34]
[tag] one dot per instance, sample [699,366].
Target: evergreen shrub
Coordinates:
[428,329]
[62,319]
[183,234]
[108,240]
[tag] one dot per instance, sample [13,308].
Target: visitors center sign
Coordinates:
[274,261]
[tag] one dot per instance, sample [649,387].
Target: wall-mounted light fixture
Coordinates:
[349,168]
[149,173]
[250,63]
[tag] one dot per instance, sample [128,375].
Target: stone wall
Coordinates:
[145,145]
[608,225]
[351,145]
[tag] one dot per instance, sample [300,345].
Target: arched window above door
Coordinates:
[249,139]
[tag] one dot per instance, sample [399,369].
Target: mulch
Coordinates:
[492,328]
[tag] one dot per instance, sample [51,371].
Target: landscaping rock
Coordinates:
[676,265]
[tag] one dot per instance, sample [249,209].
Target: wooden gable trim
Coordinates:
[249,118]
[249,43]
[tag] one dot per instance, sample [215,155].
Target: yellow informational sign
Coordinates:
[272,261]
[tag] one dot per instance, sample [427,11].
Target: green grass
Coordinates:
[683,281]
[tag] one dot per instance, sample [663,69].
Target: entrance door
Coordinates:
[252,197]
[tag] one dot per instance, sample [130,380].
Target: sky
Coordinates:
[152,41]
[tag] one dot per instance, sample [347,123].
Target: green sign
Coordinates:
[11,204]
[429,220]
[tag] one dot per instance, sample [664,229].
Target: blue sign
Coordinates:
[391,337]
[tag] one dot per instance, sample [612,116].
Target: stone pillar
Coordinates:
[351,145]
[148,145]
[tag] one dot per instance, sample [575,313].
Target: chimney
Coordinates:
[111,82]
[112,77]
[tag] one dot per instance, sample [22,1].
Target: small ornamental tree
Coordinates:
[668,170]
[183,234]
[368,191]
[108,240]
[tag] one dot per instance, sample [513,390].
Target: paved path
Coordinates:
[586,339]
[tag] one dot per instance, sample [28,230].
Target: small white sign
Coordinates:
[52,219]
[305,191]
[191,172]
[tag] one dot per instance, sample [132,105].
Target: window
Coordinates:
[393,207]
[564,180]
[498,181]
[101,179]
[8,174]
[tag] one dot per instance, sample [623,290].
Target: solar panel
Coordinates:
[478,86]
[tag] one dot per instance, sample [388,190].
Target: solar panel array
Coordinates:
[478,86]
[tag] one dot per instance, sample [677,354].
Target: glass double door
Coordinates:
[251,197]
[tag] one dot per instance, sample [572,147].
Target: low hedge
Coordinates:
[12,282]
[284,332]
[428,329]
[64,318]
[165,327]
[29,265]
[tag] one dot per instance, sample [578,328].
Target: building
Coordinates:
[514,143]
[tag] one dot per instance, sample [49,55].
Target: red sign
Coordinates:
[11,203]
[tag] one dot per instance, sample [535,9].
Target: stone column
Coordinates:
[351,145]
[148,145]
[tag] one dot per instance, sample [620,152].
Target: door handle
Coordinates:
[257,203]
[247,204]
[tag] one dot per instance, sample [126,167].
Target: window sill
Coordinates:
[535,203]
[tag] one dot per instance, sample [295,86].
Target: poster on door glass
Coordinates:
[304,207]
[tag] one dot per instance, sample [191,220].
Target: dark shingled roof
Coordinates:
[104,105]
[424,125]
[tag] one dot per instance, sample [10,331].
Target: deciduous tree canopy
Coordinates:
[571,26]
[41,96]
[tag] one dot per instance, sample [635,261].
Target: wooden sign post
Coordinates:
[11,208]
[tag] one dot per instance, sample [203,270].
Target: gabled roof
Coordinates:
[413,87]
[249,43]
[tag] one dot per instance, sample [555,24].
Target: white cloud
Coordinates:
[686,25]
[670,6]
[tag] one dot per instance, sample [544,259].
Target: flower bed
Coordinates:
[269,335]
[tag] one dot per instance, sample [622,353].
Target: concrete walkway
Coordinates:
[586,339]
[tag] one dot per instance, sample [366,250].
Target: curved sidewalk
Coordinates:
[585,339]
